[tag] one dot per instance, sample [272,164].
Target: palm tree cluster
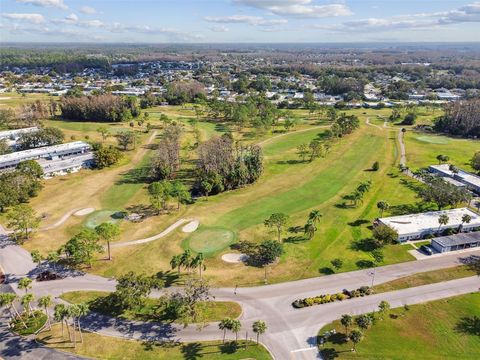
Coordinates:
[359,193]
[310,227]
[259,327]
[188,262]
[70,315]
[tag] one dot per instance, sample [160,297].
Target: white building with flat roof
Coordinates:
[469,180]
[52,153]
[15,134]
[417,226]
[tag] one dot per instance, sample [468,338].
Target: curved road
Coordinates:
[291,333]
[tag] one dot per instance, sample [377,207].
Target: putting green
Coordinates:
[441,140]
[101,216]
[209,240]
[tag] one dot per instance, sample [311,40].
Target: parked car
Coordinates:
[48,275]
[426,249]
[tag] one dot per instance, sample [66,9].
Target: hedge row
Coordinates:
[327,298]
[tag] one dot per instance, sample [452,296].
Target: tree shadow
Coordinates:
[139,175]
[295,229]
[329,353]
[359,222]
[290,162]
[191,351]
[367,245]
[473,263]
[326,270]
[469,325]
[295,239]
[365,264]
[169,277]
[230,347]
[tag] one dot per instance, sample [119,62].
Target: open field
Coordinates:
[104,347]
[435,330]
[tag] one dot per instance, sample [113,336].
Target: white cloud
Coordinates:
[421,21]
[298,8]
[71,18]
[32,18]
[46,3]
[219,28]
[88,10]
[245,19]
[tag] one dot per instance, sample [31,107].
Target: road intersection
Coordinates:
[291,332]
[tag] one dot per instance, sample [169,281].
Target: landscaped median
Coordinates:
[328,298]
[152,309]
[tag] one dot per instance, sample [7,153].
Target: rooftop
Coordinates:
[418,223]
[8,134]
[43,151]
[458,239]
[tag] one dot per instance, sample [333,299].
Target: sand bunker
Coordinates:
[234,258]
[191,226]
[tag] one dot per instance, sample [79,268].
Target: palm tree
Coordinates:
[259,327]
[224,325]
[8,299]
[72,313]
[45,302]
[60,314]
[185,259]
[465,219]
[53,258]
[309,229]
[108,232]
[26,302]
[176,262]
[382,206]
[235,327]
[25,283]
[197,262]
[442,220]
[356,336]
[346,320]
[83,310]
[314,216]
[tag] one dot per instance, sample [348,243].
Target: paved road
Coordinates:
[291,333]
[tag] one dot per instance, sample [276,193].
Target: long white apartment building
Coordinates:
[53,159]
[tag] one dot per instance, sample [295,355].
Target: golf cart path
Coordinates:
[263,142]
[157,236]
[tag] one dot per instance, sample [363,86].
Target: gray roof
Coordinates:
[458,239]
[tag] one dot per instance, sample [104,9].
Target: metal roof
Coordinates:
[458,239]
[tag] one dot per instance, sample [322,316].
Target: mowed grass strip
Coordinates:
[316,190]
[96,346]
[425,278]
[429,331]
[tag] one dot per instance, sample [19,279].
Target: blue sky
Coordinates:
[269,21]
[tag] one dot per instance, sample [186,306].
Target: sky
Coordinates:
[239,21]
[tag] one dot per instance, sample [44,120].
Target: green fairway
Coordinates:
[101,216]
[422,150]
[442,140]
[435,330]
[209,240]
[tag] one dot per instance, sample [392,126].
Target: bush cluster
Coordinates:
[327,298]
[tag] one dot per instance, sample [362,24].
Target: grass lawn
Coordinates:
[434,330]
[294,187]
[208,311]
[33,323]
[103,347]
[422,150]
[425,278]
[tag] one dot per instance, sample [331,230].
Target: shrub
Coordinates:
[375,166]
